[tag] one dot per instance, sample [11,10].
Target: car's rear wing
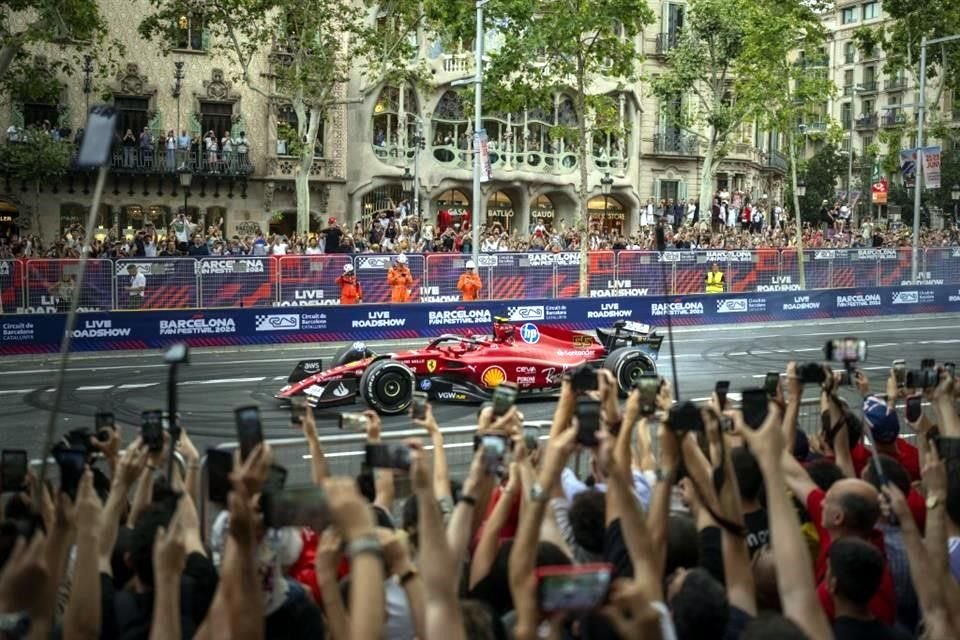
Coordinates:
[628,333]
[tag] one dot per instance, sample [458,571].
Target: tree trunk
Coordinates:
[706,176]
[308,124]
[796,207]
[584,186]
[7,54]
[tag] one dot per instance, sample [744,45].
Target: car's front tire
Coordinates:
[627,364]
[387,386]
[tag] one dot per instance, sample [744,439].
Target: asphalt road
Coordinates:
[216,380]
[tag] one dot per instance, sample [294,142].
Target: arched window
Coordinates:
[451,138]
[395,123]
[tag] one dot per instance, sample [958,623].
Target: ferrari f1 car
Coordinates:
[456,368]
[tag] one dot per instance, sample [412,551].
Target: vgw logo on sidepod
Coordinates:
[529,333]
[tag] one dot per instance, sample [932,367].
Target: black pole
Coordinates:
[174,423]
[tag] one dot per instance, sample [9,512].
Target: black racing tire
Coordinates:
[350,353]
[627,364]
[387,386]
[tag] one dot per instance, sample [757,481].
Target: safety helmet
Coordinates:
[348,268]
[470,265]
[402,258]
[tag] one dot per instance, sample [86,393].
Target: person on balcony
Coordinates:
[350,291]
[129,143]
[400,280]
[715,281]
[146,148]
[170,143]
[469,283]
[183,149]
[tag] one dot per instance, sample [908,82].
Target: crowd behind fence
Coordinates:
[46,285]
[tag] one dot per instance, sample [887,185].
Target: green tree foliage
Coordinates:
[822,172]
[37,159]
[552,46]
[912,21]
[75,26]
[728,57]
[312,47]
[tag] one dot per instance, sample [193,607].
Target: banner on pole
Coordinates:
[482,143]
[879,192]
[931,167]
[908,167]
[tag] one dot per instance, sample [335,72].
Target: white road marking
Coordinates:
[98,387]
[222,381]
[141,385]
[15,391]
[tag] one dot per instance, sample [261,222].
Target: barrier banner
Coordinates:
[310,281]
[372,273]
[11,285]
[237,282]
[171,283]
[443,272]
[51,284]
[939,266]
[21,334]
[638,274]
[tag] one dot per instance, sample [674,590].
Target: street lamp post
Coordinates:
[178,76]
[801,192]
[606,186]
[186,177]
[955,196]
[419,143]
[87,80]
[407,181]
[477,125]
[921,108]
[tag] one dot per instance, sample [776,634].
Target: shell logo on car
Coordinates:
[492,376]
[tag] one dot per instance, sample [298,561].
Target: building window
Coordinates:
[40,115]
[848,15]
[669,190]
[845,115]
[216,117]
[849,53]
[131,114]
[190,32]
[871,10]
[393,107]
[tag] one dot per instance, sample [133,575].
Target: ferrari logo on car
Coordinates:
[431,365]
[492,376]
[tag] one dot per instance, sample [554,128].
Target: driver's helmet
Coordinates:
[503,332]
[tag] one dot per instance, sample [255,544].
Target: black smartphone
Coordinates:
[722,388]
[298,409]
[588,421]
[573,587]
[418,406]
[583,379]
[928,363]
[219,466]
[686,416]
[771,382]
[648,386]
[13,470]
[295,507]
[504,395]
[812,373]
[753,403]
[388,456]
[104,420]
[249,429]
[151,429]
[950,368]
[72,463]
[276,478]
[914,408]
[494,450]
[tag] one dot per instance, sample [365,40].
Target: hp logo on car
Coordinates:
[529,333]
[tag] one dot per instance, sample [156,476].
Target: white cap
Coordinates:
[347,268]
[402,258]
[470,265]
[844,209]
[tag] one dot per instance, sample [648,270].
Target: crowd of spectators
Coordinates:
[690,526]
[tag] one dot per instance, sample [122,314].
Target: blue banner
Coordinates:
[20,334]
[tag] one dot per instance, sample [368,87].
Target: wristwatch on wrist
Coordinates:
[365,544]
[537,492]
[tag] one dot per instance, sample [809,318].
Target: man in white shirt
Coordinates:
[279,246]
[137,288]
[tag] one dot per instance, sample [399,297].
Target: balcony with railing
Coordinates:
[866,122]
[676,143]
[848,90]
[868,86]
[810,128]
[777,161]
[895,84]
[143,161]
[893,118]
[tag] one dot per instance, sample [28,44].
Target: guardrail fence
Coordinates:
[44,286]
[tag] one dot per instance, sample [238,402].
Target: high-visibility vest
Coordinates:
[715,282]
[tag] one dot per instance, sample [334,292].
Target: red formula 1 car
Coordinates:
[454,368]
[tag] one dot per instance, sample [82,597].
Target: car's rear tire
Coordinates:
[627,364]
[351,353]
[388,386]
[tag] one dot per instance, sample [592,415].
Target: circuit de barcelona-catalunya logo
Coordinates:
[278,322]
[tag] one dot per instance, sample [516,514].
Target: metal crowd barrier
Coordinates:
[44,286]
